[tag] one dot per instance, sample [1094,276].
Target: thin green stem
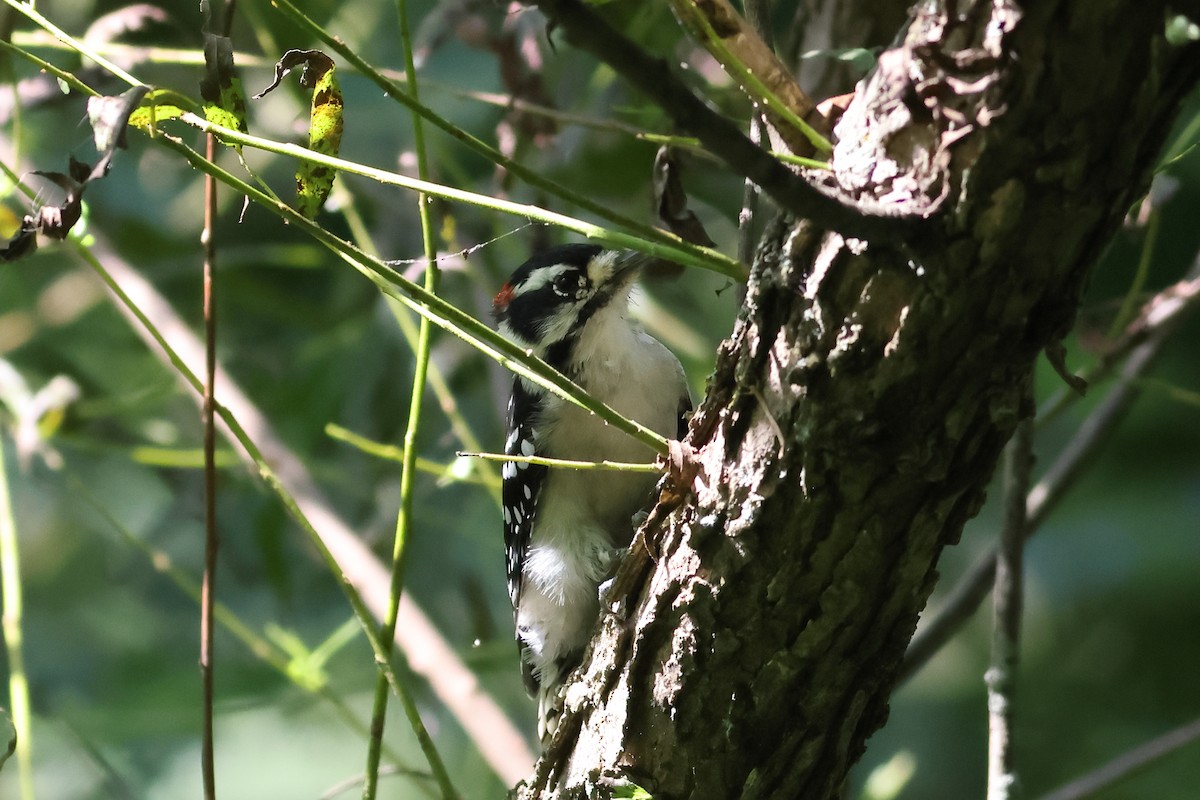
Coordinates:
[70,41]
[745,76]
[685,253]
[618,239]
[18,681]
[9,73]
[1184,143]
[173,457]
[404,519]
[442,313]
[64,76]
[409,330]
[565,463]
[692,144]
[489,481]
[649,240]
[801,161]
[137,53]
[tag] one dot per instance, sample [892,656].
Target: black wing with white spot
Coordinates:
[522,482]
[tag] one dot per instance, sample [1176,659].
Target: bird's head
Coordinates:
[550,298]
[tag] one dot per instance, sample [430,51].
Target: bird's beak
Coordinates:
[628,263]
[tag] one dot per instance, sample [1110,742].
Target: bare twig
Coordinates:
[1127,763]
[1161,309]
[1151,330]
[211,539]
[1006,626]
[654,77]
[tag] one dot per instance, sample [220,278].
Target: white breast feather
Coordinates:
[583,515]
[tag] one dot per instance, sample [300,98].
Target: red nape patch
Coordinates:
[502,298]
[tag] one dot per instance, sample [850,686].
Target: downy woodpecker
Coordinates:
[563,529]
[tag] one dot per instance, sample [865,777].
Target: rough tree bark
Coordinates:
[858,410]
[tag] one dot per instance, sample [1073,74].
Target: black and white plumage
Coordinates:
[563,528]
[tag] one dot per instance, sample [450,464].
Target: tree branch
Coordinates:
[1006,625]
[1127,763]
[762,622]
[654,78]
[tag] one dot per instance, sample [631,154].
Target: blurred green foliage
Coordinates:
[1110,650]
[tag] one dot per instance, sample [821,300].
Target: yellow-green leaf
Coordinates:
[230,111]
[159,105]
[224,97]
[313,181]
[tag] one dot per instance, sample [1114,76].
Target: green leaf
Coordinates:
[314,181]
[159,105]
[224,97]
[231,111]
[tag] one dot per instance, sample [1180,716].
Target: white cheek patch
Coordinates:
[557,327]
[602,267]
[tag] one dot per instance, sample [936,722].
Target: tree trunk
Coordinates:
[860,406]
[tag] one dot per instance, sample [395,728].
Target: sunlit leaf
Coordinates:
[159,105]
[224,97]
[313,181]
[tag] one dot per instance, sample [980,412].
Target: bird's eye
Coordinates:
[569,284]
